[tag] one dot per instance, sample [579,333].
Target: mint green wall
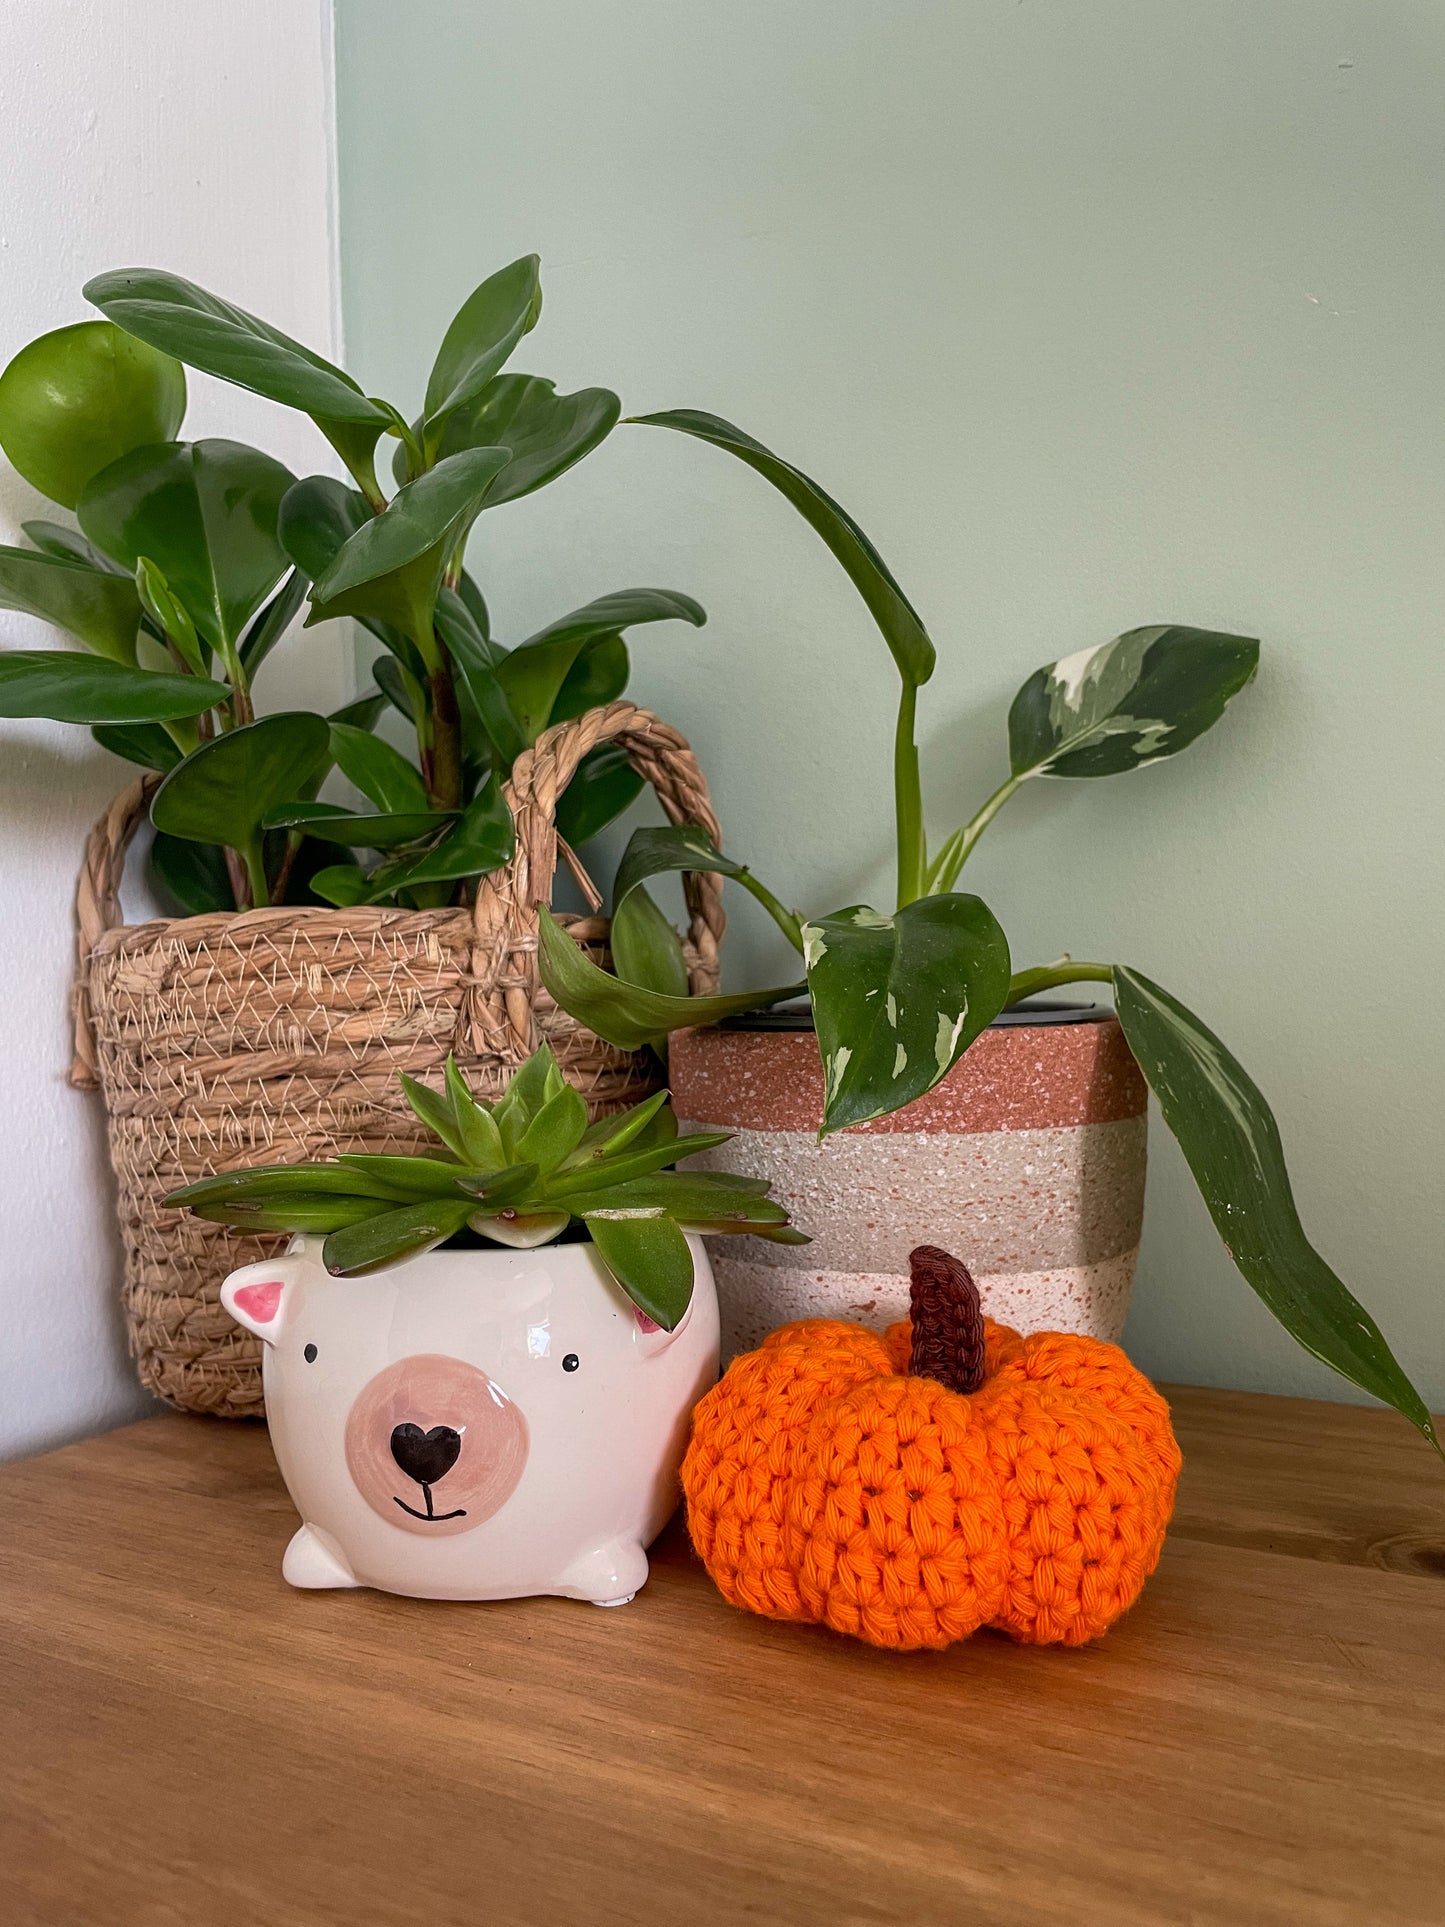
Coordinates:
[1095,315]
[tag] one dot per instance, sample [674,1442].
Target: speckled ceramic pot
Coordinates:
[1027,1161]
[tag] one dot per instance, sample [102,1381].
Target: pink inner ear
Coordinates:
[644,1321]
[260,1302]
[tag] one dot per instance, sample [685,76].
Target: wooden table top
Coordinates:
[184,1741]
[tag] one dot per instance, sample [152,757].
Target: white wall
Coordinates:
[193,135]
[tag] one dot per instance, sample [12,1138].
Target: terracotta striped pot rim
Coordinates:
[1017,1077]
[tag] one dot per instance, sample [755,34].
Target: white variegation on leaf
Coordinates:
[897,1000]
[945,1044]
[1147,694]
[814,946]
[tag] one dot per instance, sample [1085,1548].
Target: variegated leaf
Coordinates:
[898,1000]
[1145,695]
[1228,1134]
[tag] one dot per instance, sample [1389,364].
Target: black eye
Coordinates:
[571,1362]
[310,1354]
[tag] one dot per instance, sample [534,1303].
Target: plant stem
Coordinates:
[363,473]
[288,862]
[1027,983]
[416,461]
[256,871]
[240,885]
[959,847]
[784,918]
[908,801]
[444,782]
[241,711]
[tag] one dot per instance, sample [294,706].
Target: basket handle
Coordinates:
[497,1009]
[498,1013]
[97,909]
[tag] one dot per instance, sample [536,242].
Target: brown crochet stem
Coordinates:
[947,1321]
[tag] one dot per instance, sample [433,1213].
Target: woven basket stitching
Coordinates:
[225,1040]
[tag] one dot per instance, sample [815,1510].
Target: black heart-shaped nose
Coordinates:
[425,1456]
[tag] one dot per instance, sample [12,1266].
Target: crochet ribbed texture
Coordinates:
[826,1482]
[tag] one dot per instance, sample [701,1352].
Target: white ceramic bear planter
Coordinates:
[475,1424]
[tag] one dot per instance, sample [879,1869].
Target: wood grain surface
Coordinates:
[185,1741]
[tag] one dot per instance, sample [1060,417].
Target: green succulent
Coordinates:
[518,1172]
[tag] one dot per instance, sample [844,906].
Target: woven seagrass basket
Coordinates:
[263,1036]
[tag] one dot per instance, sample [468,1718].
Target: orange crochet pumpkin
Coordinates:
[949,1475]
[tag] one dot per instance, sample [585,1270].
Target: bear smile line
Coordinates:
[428,1517]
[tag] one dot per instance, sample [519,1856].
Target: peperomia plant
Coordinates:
[519,1172]
[192,559]
[898,996]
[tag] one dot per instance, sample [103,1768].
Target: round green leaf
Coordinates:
[224,791]
[75,400]
[205,513]
[318,514]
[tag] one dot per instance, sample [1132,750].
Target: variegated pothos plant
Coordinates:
[898,997]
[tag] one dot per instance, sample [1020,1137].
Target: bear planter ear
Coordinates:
[256,1296]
